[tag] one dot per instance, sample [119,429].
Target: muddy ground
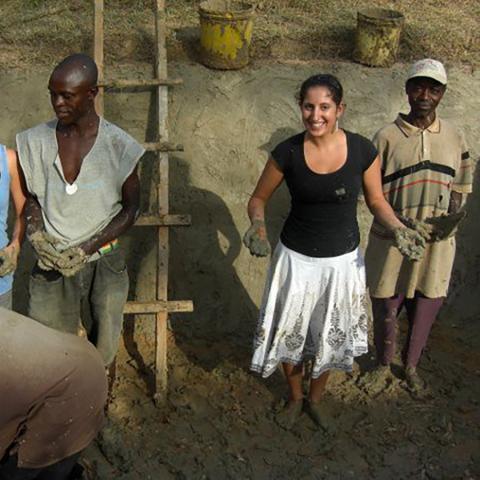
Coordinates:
[218,422]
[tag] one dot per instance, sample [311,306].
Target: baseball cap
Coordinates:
[428,68]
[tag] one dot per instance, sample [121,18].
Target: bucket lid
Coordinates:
[381,16]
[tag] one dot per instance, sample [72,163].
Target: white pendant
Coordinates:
[71,188]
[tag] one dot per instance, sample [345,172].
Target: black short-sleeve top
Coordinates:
[323,217]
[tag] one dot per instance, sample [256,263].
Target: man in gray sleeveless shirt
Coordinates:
[81,174]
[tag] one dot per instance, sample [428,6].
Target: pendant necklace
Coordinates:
[71,188]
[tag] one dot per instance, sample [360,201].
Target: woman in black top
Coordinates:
[314,304]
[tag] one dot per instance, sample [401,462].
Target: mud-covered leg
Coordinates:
[313,406]
[289,415]
[317,387]
[385,318]
[422,312]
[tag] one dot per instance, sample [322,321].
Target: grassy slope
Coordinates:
[41,31]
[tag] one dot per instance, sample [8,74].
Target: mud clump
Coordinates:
[410,243]
[444,226]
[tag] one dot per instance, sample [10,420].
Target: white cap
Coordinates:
[428,68]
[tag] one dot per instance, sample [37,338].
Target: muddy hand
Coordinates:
[420,226]
[255,239]
[410,243]
[45,246]
[445,226]
[8,259]
[71,261]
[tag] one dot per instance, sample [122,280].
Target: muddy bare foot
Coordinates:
[317,414]
[288,416]
[415,384]
[377,380]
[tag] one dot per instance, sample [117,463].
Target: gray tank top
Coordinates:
[74,213]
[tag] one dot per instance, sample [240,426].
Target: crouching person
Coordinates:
[52,395]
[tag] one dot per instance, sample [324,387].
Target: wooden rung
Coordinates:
[163,147]
[163,220]
[138,83]
[170,306]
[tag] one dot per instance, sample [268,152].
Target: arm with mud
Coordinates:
[122,221]
[9,254]
[435,229]
[410,243]
[255,238]
[43,243]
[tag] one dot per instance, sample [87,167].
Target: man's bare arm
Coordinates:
[122,221]
[18,192]
[33,216]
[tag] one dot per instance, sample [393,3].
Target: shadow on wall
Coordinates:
[202,267]
[464,290]
[202,259]
[188,43]
[141,255]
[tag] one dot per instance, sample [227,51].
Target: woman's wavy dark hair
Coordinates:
[322,80]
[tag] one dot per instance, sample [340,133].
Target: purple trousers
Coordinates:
[421,313]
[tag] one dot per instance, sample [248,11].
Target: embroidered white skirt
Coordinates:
[312,308]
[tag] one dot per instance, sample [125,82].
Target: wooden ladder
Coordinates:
[160,306]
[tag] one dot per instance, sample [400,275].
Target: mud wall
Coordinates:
[228,121]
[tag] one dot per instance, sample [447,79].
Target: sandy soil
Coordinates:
[219,419]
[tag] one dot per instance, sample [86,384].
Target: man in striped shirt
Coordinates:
[426,174]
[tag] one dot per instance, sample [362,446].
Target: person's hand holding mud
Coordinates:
[67,262]
[255,239]
[8,259]
[435,229]
[444,226]
[45,246]
[71,261]
[410,243]
[418,225]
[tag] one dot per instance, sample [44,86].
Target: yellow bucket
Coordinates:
[225,33]
[378,36]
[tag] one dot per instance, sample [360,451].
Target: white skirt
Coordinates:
[312,308]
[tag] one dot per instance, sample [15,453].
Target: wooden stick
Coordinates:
[140,83]
[158,307]
[163,147]
[163,221]
[98,53]
[163,201]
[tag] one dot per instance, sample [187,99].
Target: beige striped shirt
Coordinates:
[420,169]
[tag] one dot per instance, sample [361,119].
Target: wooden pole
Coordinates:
[163,200]
[140,83]
[98,52]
